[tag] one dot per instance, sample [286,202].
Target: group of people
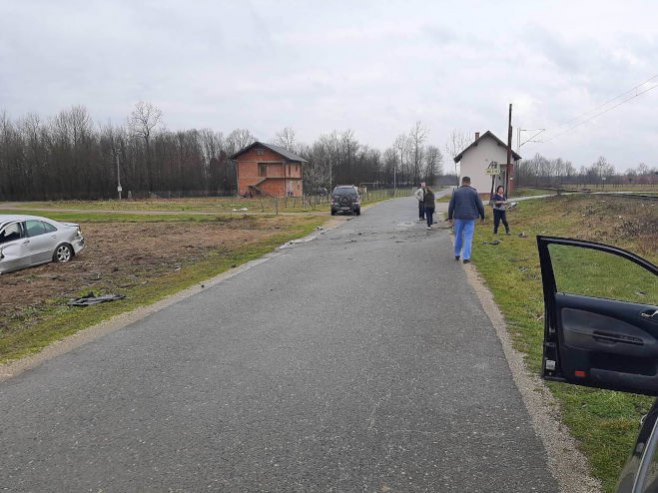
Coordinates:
[464,209]
[426,204]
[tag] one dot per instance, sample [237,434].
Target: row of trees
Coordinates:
[543,172]
[69,156]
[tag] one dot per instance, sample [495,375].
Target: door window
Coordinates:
[35,228]
[601,274]
[11,232]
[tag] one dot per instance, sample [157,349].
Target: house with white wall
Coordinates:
[487,152]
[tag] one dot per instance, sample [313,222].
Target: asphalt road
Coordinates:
[359,361]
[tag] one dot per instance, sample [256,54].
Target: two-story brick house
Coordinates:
[266,169]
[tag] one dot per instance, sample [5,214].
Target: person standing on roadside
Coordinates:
[420,197]
[499,207]
[429,203]
[465,207]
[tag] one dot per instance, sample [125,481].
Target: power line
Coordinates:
[606,110]
[608,101]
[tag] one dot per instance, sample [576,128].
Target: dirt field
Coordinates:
[121,255]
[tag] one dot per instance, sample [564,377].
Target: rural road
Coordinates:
[359,361]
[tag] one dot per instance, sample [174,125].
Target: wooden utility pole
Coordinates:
[509,170]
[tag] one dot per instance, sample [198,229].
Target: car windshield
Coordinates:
[344,191]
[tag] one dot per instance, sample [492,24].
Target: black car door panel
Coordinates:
[597,341]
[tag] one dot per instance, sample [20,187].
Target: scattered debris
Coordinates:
[495,242]
[522,234]
[91,299]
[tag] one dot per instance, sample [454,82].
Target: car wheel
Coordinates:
[357,211]
[333,212]
[63,253]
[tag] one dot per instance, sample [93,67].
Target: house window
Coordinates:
[262,170]
[260,152]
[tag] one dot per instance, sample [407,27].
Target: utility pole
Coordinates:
[509,170]
[119,189]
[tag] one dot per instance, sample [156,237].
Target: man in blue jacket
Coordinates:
[465,207]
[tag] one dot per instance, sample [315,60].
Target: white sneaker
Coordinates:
[429,227]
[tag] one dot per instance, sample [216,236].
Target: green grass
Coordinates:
[55,320]
[604,423]
[188,207]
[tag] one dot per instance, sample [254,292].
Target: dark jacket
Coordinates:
[465,204]
[429,202]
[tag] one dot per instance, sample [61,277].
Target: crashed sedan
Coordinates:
[26,241]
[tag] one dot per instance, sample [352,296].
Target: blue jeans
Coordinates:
[464,237]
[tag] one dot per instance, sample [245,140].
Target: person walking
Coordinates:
[420,197]
[465,207]
[499,209]
[429,203]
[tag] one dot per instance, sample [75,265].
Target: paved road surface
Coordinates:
[360,361]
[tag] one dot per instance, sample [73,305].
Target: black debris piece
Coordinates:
[92,299]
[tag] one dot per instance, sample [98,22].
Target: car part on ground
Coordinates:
[92,299]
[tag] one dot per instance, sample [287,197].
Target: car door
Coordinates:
[42,240]
[601,316]
[14,253]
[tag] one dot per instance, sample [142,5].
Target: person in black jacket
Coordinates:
[499,202]
[429,204]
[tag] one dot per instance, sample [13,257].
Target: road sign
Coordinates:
[493,169]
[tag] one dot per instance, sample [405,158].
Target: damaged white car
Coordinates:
[26,241]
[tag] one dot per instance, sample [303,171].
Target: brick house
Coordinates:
[479,156]
[266,169]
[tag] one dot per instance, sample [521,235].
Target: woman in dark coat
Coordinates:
[499,207]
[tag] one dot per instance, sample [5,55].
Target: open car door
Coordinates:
[600,316]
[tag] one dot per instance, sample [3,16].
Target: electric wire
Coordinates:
[604,111]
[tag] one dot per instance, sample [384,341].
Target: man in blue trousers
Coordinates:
[465,207]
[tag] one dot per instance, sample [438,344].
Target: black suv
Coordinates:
[345,198]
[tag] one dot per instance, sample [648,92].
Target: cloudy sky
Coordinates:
[375,67]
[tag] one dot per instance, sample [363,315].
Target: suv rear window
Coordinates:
[344,191]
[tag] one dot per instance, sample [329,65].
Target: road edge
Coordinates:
[567,464]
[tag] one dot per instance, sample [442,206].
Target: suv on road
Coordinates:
[345,198]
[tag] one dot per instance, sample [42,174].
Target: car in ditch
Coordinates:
[346,199]
[601,331]
[26,241]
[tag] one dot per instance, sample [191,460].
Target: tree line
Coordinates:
[69,156]
[541,171]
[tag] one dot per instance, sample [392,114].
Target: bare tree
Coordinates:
[286,139]
[417,137]
[402,146]
[457,141]
[142,122]
[433,164]
[239,139]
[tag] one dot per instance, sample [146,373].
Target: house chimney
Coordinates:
[477,135]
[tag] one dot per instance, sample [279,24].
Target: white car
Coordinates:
[26,241]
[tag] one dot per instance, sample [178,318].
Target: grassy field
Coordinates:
[206,205]
[605,423]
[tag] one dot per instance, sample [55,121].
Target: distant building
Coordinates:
[266,169]
[486,159]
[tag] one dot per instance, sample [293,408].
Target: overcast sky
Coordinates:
[375,67]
